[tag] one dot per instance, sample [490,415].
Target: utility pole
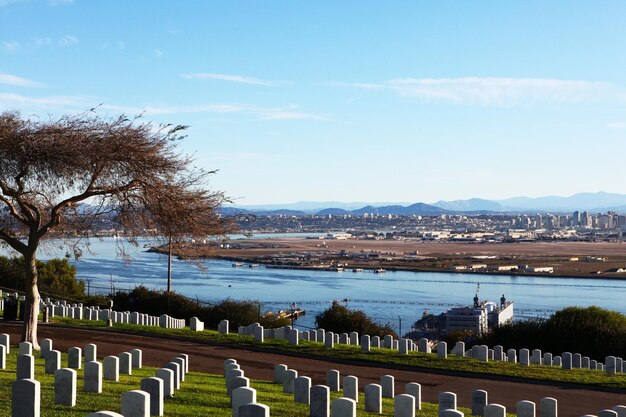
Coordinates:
[399,326]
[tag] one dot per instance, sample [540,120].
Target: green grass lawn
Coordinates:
[200,395]
[382,356]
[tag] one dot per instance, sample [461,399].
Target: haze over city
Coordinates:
[328,101]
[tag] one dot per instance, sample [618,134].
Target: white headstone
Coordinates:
[154,387]
[65,387]
[373,398]
[566,360]
[365,343]
[241,396]
[607,413]
[319,405]
[136,358]
[254,410]
[479,401]
[93,377]
[511,355]
[279,372]
[447,401]
[52,361]
[495,410]
[525,409]
[168,376]
[25,368]
[343,407]
[289,378]
[74,357]
[388,384]
[332,379]
[442,350]
[404,406]
[135,403]
[26,398]
[46,346]
[415,389]
[91,352]
[302,388]
[126,362]
[351,387]
[620,410]
[524,357]
[111,368]
[548,407]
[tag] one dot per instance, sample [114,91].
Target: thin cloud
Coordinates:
[68,40]
[158,53]
[162,110]
[14,80]
[616,125]
[10,101]
[289,115]
[494,91]
[60,2]
[11,46]
[228,77]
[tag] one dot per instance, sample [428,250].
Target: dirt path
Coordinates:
[573,401]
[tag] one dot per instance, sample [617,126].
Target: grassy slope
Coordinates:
[383,356]
[200,395]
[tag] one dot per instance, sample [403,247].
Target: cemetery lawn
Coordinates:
[354,355]
[200,395]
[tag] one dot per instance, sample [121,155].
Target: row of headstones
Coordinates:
[330,339]
[567,360]
[405,404]
[318,396]
[147,401]
[80,312]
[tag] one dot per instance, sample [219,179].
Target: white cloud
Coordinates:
[158,53]
[8,2]
[616,125]
[288,115]
[10,101]
[227,77]
[17,81]
[10,46]
[68,40]
[493,91]
[160,110]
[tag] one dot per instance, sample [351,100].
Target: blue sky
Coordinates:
[344,101]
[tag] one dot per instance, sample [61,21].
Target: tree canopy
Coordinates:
[58,176]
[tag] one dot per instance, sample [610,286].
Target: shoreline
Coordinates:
[566,260]
[249,261]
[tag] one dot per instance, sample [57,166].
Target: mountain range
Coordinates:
[599,202]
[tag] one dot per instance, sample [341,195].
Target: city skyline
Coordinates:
[402,102]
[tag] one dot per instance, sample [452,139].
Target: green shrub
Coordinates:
[340,319]
[238,313]
[590,331]
[56,277]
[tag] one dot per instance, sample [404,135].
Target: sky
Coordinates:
[399,101]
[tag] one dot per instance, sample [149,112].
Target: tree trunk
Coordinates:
[31,313]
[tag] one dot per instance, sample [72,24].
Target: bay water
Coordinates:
[397,298]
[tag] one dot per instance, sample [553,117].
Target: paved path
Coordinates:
[573,401]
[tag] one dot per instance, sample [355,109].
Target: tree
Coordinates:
[340,319]
[58,176]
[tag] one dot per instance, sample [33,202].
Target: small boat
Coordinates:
[379,271]
[357,270]
[237,264]
[253,266]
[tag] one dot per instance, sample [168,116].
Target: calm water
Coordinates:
[387,297]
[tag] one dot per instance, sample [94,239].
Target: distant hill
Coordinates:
[473,204]
[592,202]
